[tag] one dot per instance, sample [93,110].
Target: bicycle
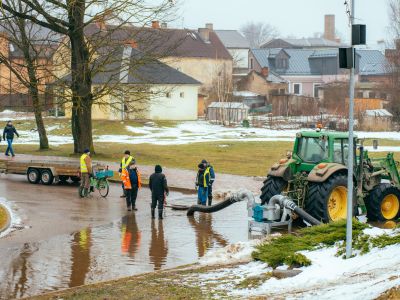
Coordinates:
[100,182]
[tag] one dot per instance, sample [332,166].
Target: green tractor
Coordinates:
[314,175]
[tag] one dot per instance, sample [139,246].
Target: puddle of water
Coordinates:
[135,244]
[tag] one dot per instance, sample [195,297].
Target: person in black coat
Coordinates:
[8,135]
[159,189]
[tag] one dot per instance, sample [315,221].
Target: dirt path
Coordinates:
[177,178]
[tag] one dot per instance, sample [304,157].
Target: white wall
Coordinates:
[175,107]
[240,57]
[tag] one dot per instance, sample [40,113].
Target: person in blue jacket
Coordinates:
[202,184]
[8,135]
[210,170]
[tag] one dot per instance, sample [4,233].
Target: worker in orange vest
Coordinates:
[132,183]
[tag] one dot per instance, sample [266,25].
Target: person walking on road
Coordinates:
[202,183]
[86,173]
[210,170]
[132,182]
[159,190]
[125,163]
[8,135]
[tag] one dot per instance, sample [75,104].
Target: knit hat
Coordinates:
[86,150]
[127,152]
[203,161]
[158,169]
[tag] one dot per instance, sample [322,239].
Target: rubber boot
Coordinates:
[209,201]
[153,213]
[85,193]
[198,202]
[160,212]
[80,190]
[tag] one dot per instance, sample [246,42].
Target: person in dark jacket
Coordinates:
[159,189]
[202,184]
[8,135]
[132,182]
[210,168]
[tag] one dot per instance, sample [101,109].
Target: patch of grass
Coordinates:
[159,285]
[392,294]
[283,249]
[254,281]
[241,158]
[3,217]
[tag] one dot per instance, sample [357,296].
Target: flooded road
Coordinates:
[74,241]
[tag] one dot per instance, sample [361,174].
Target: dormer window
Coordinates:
[282,63]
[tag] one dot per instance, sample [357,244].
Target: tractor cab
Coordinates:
[313,148]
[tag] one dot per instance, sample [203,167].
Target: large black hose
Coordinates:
[241,195]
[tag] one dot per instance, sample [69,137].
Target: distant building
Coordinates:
[238,47]
[227,112]
[153,91]
[376,120]
[306,70]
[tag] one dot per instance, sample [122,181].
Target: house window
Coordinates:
[281,91]
[371,95]
[282,63]
[297,88]
[182,94]
[360,95]
[251,63]
[316,90]
[383,96]
[168,95]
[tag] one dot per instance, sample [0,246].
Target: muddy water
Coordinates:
[130,245]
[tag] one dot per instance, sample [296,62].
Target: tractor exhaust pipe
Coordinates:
[285,201]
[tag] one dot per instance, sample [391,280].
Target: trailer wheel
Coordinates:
[272,186]
[327,201]
[383,203]
[47,177]
[33,175]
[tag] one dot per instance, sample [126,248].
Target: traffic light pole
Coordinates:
[349,225]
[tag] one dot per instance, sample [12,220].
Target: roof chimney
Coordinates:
[210,26]
[265,72]
[131,43]
[205,34]
[329,30]
[155,24]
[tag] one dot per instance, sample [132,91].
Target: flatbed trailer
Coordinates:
[45,171]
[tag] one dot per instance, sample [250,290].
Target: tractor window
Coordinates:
[312,150]
[341,151]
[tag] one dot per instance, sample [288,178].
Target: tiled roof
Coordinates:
[164,42]
[232,39]
[371,62]
[305,43]
[378,113]
[125,69]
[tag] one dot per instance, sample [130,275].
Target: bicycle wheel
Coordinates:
[103,187]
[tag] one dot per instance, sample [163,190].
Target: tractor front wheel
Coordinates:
[327,201]
[272,186]
[383,203]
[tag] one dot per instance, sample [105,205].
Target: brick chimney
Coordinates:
[265,72]
[210,26]
[329,29]
[155,24]
[131,43]
[205,34]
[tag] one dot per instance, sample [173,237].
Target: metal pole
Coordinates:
[350,159]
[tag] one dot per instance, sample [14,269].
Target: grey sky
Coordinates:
[300,18]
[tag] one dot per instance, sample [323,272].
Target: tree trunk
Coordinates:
[43,141]
[81,84]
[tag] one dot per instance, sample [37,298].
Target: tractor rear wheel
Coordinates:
[272,186]
[383,203]
[327,201]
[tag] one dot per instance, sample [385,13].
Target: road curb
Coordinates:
[7,222]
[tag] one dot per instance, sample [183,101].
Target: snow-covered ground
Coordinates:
[329,277]
[195,132]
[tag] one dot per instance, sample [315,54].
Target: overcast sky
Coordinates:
[300,18]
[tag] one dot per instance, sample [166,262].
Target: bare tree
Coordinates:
[71,18]
[33,71]
[257,33]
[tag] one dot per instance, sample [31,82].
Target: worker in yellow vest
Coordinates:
[125,161]
[86,173]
